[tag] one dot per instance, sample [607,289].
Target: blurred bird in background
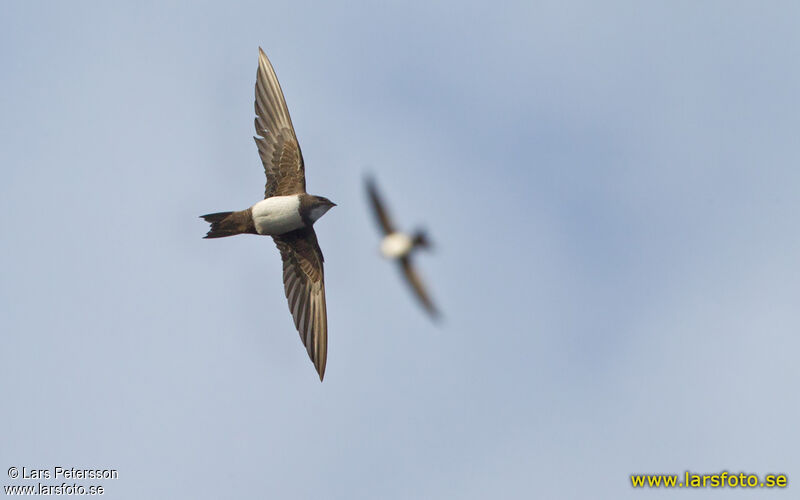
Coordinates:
[399,246]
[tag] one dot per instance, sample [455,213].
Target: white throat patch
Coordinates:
[315,213]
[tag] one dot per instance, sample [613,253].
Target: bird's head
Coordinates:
[421,239]
[319,206]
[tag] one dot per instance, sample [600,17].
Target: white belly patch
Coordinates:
[396,245]
[277,215]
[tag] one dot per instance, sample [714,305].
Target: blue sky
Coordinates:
[612,191]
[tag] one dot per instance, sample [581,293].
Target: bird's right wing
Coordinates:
[416,283]
[304,285]
[277,143]
[378,208]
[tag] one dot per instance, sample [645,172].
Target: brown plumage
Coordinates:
[277,143]
[418,240]
[304,286]
[378,208]
[282,158]
[230,223]
[280,154]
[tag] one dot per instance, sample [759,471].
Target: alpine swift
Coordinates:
[287,213]
[399,246]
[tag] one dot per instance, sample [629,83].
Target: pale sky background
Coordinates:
[613,191]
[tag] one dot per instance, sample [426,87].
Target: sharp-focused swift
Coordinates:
[287,213]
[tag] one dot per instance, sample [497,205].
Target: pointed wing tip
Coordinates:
[322,361]
[369,181]
[433,312]
[262,56]
[320,367]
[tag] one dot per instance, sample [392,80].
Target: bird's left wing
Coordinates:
[304,284]
[419,289]
[277,143]
[379,208]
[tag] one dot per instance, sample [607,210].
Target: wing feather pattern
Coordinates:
[304,284]
[276,140]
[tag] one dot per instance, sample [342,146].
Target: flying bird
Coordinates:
[287,213]
[400,246]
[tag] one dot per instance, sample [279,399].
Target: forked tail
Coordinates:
[229,223]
